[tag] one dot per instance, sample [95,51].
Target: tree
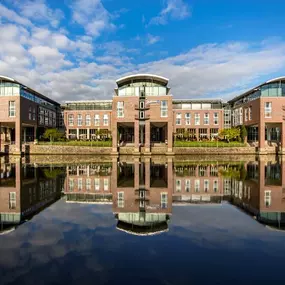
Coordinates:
[243,133]
[53,134]
[230,134]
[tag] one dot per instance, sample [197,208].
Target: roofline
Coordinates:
[202,100]
[30,89]
[256,87]
[87,101]
[161,78]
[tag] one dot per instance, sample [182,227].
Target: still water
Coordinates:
[142,221]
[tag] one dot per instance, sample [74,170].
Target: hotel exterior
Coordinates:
[142,115]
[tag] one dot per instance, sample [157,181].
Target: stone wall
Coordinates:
[214,150]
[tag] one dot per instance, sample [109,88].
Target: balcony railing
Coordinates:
[146,107]
[146,117]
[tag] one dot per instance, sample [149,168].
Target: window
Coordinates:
[141,114]
[79,120]
[12,109]
[97,184]
[106,184]
[240,116]
[163,108]
[206,186]
[178,119]
[250,113]
[121,200]
[70,120]
[216,118]
[34,114]
[88,120]
[71,184]
[30,113]
[197,119]
[187,185]
[268,109]
[80,184]
[246,114]
[141,104]
[88,184]
[197,185]
[206,119]
[267,198]
[216,186]
[178,185]
[106,120]
[120,109]
[187,118]
[12,200]
[96,120]
[163,200]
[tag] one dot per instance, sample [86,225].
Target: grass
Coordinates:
[207,144]
[80,143]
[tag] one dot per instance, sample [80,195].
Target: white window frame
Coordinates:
[197,119]
[206,185]
[267,198]
[79,184]
[178,185]
[206,119]
[250,113]
[197,185]
[216,118]
[88,120]
[97,183]
[141,114]
[97,120]
[215,186]
[88,184]
[79,120]
[12,109]
[163,200]
[187,185]
[268,110]
[188,119]
[163,109]
[120,109]
[105,119]
[12,200]
[178,119]
[121,200]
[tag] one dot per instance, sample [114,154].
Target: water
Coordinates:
[138,221]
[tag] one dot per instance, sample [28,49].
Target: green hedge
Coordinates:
[80,143]
[207,144]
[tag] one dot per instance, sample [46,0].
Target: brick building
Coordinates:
[143,114]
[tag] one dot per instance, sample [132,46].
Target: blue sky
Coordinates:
[76,49]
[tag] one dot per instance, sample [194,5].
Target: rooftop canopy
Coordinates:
[9,79]
[252,90]
[142,78]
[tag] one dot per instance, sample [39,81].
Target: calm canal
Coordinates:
[142,221]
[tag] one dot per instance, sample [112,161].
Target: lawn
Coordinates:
[80,143]
[207,144]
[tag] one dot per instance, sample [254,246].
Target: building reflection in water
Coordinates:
[26,190]
[143,191]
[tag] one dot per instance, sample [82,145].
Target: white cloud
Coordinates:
[39,11]
[174,9]
[12,16]
[151,39]
[92,15]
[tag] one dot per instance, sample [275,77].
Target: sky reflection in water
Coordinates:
[72,224]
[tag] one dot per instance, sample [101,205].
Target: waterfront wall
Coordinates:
[32,149]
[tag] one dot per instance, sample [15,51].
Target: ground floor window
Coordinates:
[214,132]
[72,134]
[82,134]
[252,134]
[203,134]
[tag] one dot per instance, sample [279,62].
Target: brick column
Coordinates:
[77,133]
[261,137]
[18,136]
[114,138]
[169,137]
[283,138]
[88,134]
[197,133]
[137,173]
[147,173]
[137,135]
[147,136]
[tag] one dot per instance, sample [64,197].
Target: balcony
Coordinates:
[146,107]
[146,117]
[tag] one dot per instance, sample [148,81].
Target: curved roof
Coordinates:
[121,81]
[7,78]
[256,88]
